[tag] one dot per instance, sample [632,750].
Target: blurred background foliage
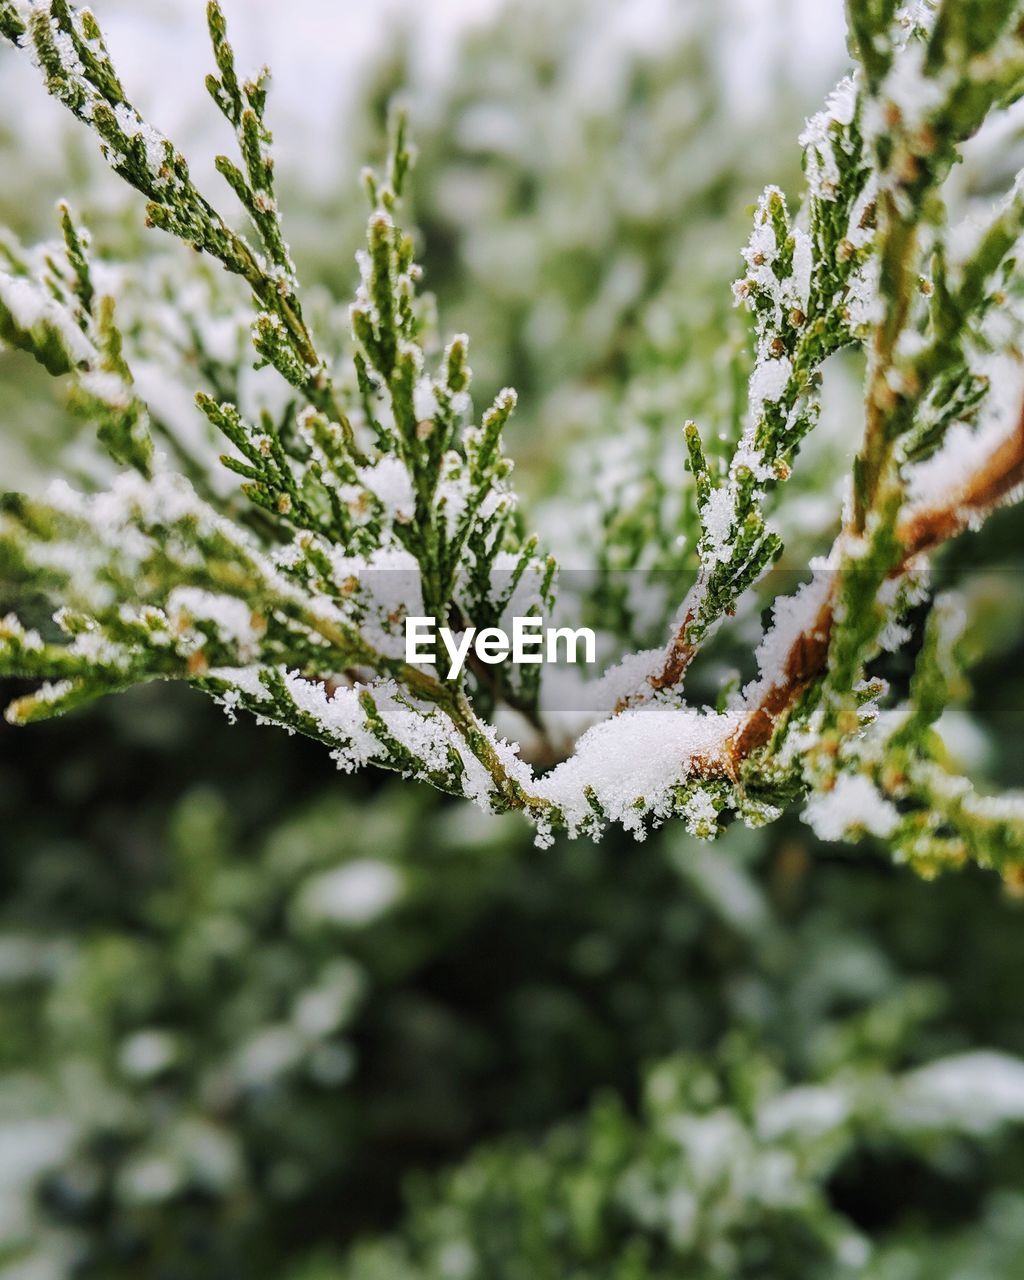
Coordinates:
[259,1021]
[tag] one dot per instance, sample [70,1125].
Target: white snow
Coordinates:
[914,93]
[355,894]
[940,480]
[425,400]
[699,812]
[718,517]
[808,1112]
[232,618]
[389,481]
[111,388]
[11,629]
[768,382]
[146,1053]
[633,763]
[819,138]
[798,286]
[339,715]
[792,616]
[31,307]
[854,804]
[979,1091]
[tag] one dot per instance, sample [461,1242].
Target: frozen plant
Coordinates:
[376,492]
[723,1158]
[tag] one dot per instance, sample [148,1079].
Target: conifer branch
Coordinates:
[394,500]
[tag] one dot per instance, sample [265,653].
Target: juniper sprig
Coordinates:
[376,493]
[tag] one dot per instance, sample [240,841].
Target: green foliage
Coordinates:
[241,1029]
[206,1074]
[724,1172]
[400,479]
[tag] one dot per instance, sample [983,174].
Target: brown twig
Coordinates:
[678,658]
[991,485]
[921,531]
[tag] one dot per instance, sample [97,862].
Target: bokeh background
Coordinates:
[261,1022]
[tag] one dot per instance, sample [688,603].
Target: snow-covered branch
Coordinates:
[376,494]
